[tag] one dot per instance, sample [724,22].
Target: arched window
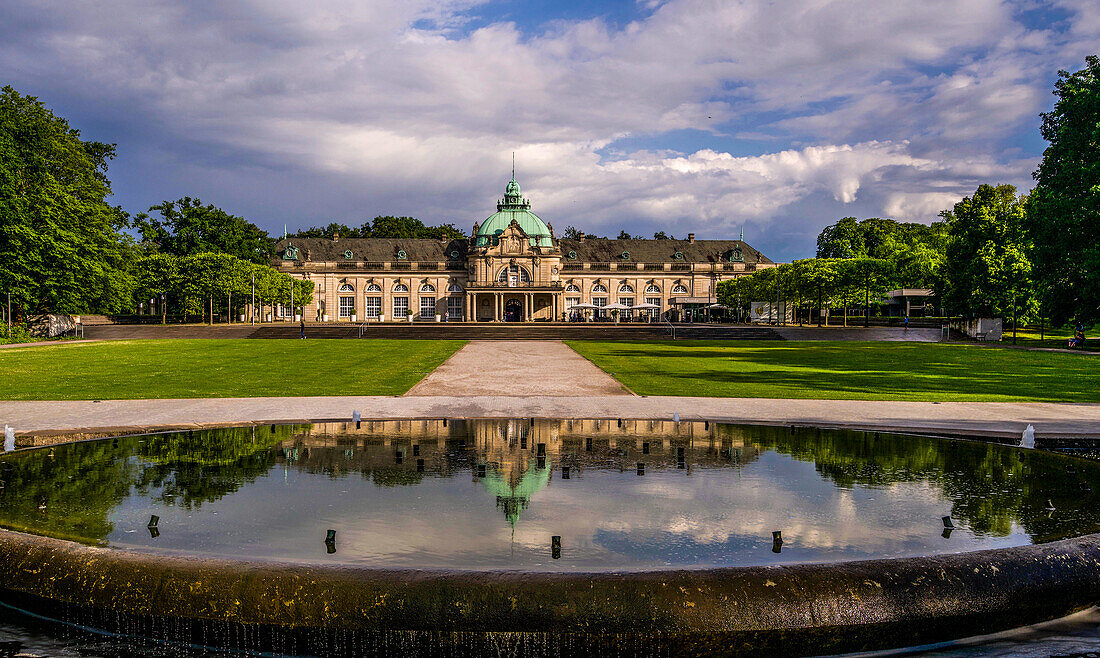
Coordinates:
[347,287]
[627,288]
[679,289]
[401,287]
[513,275]
[427,287]
[454,287]
[572,287]
[599,287]
[373,287]
[652,290]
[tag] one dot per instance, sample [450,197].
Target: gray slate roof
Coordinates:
[599,250]
[592,250]
[372,249]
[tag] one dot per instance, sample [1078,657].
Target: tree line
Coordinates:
[65,249]
[994,253]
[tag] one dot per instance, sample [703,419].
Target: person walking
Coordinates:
[302,328]
[907,323]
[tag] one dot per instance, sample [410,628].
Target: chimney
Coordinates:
[691,238]
[580,237]
[336,237]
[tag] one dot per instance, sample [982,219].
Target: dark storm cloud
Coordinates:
[301,113]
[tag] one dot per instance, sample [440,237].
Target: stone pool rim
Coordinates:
[844,606]
[807,607]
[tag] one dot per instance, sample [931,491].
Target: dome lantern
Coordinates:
[513,207]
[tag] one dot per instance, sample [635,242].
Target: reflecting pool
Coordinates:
[492,494]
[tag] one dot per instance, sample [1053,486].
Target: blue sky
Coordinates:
[673,115]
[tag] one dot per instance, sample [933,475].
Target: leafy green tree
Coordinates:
[156,275]
[409,227]
[920,266]
[1063,220]
[186,227]
[987,269]
[61,244]
[841,240]
[661,235]
[574,233]
[334,228]
[879,238]
[386,226]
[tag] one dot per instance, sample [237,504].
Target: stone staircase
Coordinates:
[470,331]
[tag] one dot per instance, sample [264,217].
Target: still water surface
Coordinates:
[490,494]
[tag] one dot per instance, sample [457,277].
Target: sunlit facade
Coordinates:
[513,268]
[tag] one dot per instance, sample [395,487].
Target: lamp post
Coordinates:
[777,289]
[253,299]
[1014,315]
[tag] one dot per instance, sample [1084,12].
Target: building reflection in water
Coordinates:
[513,459]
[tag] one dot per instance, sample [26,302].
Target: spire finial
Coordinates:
[513,165]
[742,233]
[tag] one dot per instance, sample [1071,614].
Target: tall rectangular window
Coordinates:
[570,302]
[372,307]
[427,307]
[400,308]
[654,312]
[599,302]
[347,307]
[454,308]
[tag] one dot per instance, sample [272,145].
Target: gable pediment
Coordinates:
[512,241]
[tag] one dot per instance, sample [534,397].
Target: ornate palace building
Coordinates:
[513,268]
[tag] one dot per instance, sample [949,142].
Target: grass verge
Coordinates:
[211,368]
[846,370]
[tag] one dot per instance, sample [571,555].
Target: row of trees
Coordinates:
[64,248]
[995,253]
[207,283]
[975,260]
[813,283]
[386,226]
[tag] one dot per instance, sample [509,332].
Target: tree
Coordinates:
[987,270]
[661,235]
[386,226]
[574,233]
[157,276]
[61,244]
[1063,220]
[396,227]
[841,240]
[186,227]
[873,277]
[334,228]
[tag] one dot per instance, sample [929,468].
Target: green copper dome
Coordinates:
[514,206]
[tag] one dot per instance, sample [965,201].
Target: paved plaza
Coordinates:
[517,368]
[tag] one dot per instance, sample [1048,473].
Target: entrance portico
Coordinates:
[495,305]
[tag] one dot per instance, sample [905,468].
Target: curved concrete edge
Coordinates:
[1005,420]
[816,608]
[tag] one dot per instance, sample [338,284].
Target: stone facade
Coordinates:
[513,268]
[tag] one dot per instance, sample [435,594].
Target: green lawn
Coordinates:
[218,368]
[846,370]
